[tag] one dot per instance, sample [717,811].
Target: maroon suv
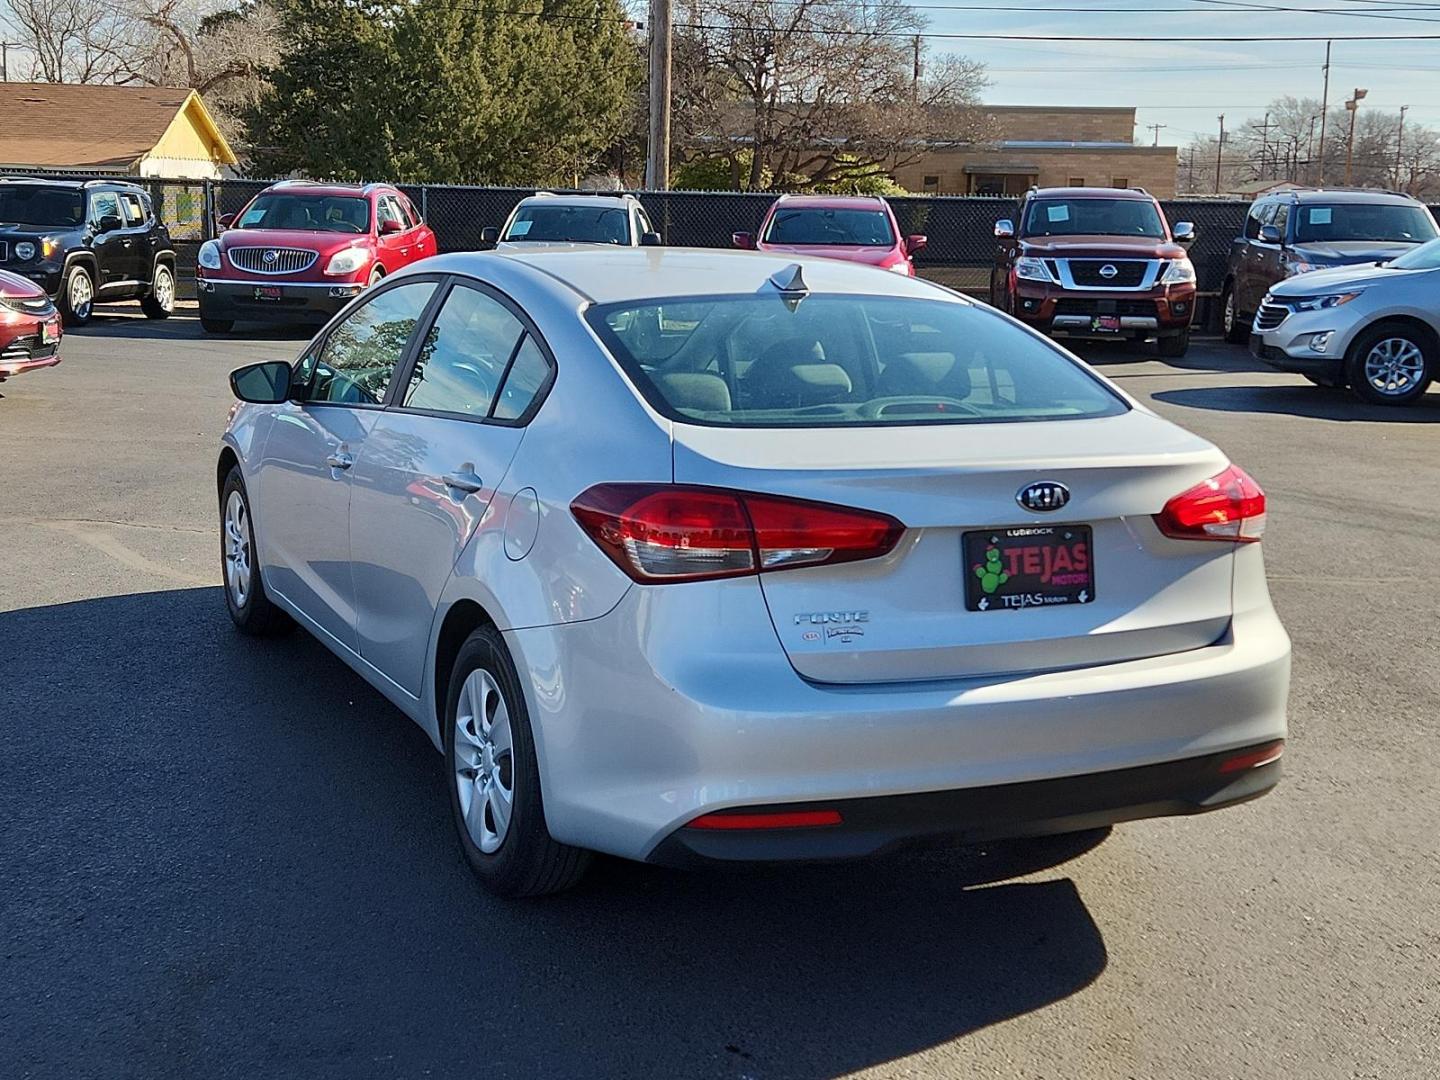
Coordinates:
[1096,263]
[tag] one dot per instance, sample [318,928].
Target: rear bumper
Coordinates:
[1036,808]
[299,301]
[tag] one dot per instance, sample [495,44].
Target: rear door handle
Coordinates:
[464,479]
[340,460]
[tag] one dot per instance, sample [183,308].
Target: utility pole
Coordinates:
[1219,150]
[915,76]
[657,162]
[1324,113]
[1156,129]
[1352,106]
[1265,127]
[1400,143]
[5,59]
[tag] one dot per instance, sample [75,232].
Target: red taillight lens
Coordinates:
[788,819]
[668,532]
[1228,506]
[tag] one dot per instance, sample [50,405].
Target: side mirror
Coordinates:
[490,235]
[1004,229]
[262,384]
[650,239]
[915,242]
[1269,234]
[743,240]
[108,223]
[389,227]
[226,220]
[1184,232]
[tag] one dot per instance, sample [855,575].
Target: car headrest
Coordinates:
[925,373]
[696,391]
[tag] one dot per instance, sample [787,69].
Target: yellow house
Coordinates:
[140,130]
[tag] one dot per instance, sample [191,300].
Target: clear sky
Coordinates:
[1185,85]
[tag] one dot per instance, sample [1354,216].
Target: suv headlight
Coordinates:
[1322,303]
[1179,272]
[25,251]
[347,261]
[209,255]
[1029,268]
[1298,266]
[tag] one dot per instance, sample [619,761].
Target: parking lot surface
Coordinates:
[226,857]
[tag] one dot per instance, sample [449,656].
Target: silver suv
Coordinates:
[577,218]
[1373,328]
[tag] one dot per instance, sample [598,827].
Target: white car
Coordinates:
[685,555]
[549,219]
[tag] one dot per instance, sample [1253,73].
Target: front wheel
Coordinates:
[494,774]
[77,296]
[1391,364]
[1175,345]
[1232,324]
[160,301]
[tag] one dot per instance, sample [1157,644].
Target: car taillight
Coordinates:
[1228,506]
[669,532]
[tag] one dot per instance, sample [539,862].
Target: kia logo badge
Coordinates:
[1107,272]
[271,255]
[1044,496]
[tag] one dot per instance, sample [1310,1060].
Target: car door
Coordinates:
[431,466]
[395,247]
[1264,257]
[135,240]
[302,488]
[423,237]
[114,261]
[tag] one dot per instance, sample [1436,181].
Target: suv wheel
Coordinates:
[160,301]
[1175,345]
[1391,364]
[77,296]
[1232,324]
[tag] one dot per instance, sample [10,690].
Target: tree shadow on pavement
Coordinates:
[228,857]
[1305,400]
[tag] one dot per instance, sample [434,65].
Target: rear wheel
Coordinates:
[1391,364]
[77,296]
[1232,323]
[216,326]
[1175,345]
[495,796]
[160,301]
[250,609]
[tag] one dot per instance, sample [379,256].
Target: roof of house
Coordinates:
[65,125]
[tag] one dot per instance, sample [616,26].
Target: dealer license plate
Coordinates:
[1011,569]
[269,292]
[1105,324]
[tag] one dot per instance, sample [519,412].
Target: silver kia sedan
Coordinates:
[689,556]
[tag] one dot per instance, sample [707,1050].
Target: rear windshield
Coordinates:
[571,224]
[842,228]
[1094,217]
[837,361]
[39,204]
[1362,221]
[308,213]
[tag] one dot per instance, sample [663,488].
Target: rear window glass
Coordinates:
[571,224]
[1093,217]
[835,361]
[841,228]
[1363,221]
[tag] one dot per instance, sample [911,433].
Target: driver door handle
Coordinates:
[340,460]
[464,479]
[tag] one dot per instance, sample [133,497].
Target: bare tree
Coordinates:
[77,41]
[809,92]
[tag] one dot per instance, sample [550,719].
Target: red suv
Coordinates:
[29,327]
[1096,263]
[300,250]
[856,228]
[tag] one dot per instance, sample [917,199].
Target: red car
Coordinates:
[29,327]
[299,251]
[856,228]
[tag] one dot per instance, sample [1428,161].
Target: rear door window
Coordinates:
[134,212]
[465,356]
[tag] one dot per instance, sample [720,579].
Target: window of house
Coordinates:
[931,183]
[1076,181]
[1121,182]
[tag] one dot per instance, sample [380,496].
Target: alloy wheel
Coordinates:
[164,288]
[237,549]
[484,761]
[1394,366]
[82,294]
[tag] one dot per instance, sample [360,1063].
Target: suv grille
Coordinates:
[1129,273]
[1270,316]
[1074,305]
[275,260]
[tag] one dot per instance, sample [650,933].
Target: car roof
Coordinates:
[617,274]
[1133,194]
[833,202]
[307,187]
[574,199]
[74,185]
[1355,195]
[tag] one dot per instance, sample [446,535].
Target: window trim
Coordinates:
[449,283]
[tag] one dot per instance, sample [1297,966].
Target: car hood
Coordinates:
[1343,252]
[1101,247]
[872,256]
[11,229]
[1339,279]
[324,243]
[19,288]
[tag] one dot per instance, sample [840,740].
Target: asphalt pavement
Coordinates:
[228,858]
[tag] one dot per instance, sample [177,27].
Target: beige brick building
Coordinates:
[1053,146]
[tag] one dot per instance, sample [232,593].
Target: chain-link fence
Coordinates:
[960,253]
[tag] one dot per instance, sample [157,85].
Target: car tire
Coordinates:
[1391,364]
[159,302]
[1175,345]
[216,326]
[77,296]
[1232,322]
[375,275]
[488,741]
[251,610]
